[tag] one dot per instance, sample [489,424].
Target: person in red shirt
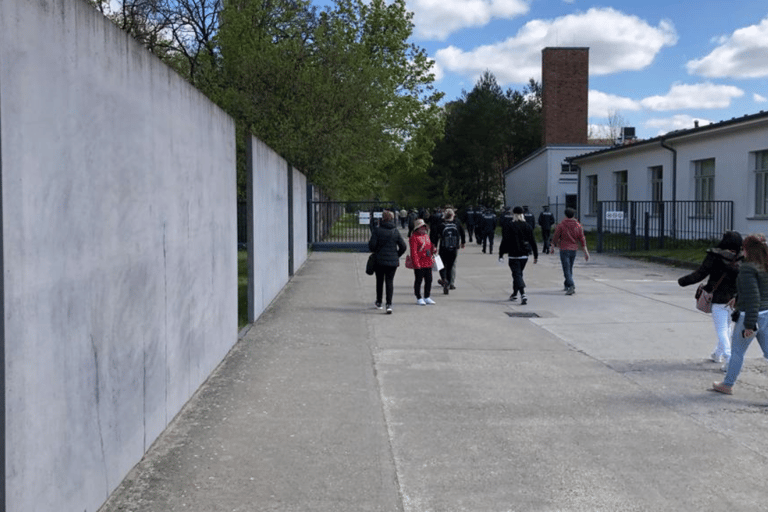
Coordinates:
[569,235]
[422,258]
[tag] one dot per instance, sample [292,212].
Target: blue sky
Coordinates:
[658,65]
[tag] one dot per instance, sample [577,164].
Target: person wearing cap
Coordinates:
[529,218]
[546,221]
[422,259]
[517,240]
[568,236]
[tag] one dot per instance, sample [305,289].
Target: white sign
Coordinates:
[363,218]
[614,215]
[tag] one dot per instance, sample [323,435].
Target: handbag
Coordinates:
[704,298]
[438,263]
[370,267]
[408,261]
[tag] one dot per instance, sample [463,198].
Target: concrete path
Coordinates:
[599,403]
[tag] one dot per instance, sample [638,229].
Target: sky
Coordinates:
[657,65]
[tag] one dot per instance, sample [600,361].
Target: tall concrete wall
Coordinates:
[119,254]
[269,200]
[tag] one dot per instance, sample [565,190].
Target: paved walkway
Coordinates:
[599,403]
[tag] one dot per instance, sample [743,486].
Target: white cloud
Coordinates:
[624,42]
[677,122]
[602,104]
[758,98]
[685,96]
[437,19]
[740,55]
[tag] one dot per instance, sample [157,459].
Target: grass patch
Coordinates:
[242,289]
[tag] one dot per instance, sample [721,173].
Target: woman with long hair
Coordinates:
[752,305]
[721,266]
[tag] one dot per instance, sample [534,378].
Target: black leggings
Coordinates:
[422,274]
[385,274]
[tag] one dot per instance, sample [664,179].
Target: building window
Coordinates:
[761,183]
[568,168]
[621,186]
[620,179]
[592,194]
[657,188]
[704,176]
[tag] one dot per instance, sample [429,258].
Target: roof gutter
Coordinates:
[674,182]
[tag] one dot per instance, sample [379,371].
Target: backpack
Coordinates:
[450,236]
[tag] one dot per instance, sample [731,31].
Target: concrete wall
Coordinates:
[270,197]
[119,255]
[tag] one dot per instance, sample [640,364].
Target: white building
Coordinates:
[726,161]
[546,177]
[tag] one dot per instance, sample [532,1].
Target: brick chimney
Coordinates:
[565,89]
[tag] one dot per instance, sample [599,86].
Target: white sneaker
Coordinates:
[429,301]
[421,302]
[716,358]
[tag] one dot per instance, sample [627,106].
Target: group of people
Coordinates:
[737,277]
[435,240]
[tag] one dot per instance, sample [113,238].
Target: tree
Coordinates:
[486,132]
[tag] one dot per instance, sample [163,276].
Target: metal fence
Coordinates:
[646,225]
[335,225]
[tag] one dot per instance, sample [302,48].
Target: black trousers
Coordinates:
[517,266]
[449,259]
[422,274]
[385,275]
[546,236]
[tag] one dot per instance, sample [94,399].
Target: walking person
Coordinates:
[388,245]
[518,241]
[449,237]
[569,235]
[422,257]
[721,266]
[471,215]
[546,221]
[488,229]
[752,305]
[529,218]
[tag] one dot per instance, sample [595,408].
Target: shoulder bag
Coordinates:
[704,298]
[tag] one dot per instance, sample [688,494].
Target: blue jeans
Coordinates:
[739,345]
[567,258]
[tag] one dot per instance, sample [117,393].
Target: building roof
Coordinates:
[678,134]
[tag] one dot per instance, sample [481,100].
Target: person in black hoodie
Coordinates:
[517,240]
[388,245]
[721,265]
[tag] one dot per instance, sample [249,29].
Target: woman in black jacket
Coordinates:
[721,265]
[517,240]
[388,245]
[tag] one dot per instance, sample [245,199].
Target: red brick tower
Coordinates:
[565,89]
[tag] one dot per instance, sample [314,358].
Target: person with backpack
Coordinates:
[517,240]
[449,237]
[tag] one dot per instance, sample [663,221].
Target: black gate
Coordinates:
[646,225]
[335,225]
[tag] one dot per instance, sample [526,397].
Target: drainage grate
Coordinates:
[516,314]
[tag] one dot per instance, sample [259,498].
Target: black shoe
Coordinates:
[440,282]
[523,300]
[452,287]
[513,296]
[445,290]
[483,251]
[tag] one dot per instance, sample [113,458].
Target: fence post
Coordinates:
[646,231]
[632,227]
[599,226]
